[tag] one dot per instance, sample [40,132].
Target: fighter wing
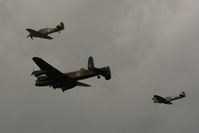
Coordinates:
[31,31]
[182,95]
[169,98]
[174,98]
[46,37]
[51,72]
[160,99]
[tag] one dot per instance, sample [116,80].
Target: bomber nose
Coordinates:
[28,29]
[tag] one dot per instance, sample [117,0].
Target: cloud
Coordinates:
[151,47]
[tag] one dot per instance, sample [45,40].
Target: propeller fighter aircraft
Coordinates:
[50,76]
[167,100]
[43,33]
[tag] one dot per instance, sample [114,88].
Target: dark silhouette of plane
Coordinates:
[49,76]
[167,100]
[43,33]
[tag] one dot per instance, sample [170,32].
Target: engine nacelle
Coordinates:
[38,73]
[42,78]
[43,83]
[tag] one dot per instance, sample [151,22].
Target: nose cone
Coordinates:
[28,30]
[154,99]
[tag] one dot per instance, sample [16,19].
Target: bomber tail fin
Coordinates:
[91,65]
[105,71]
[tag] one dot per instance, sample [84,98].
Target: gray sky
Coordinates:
[150,45]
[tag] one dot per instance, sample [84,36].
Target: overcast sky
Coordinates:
[151,46]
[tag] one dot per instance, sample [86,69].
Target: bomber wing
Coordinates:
[160,99]
[78,84]
[51,72]
[83,84]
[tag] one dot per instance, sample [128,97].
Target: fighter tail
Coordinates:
[60,26]
[182,94]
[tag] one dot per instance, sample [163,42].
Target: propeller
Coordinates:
[32,70]
[63,90]
[30,36]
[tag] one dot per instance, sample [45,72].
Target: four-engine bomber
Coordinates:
[49,76]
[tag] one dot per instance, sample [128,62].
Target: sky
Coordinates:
[151,47]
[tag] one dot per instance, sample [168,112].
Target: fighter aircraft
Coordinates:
[50,76]
[43,33]
[167,100]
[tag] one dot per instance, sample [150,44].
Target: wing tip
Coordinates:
[49,37]
[36,58]
[28,29]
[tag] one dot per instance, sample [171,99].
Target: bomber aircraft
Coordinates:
[50,76]
[167,100]
[43,33]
